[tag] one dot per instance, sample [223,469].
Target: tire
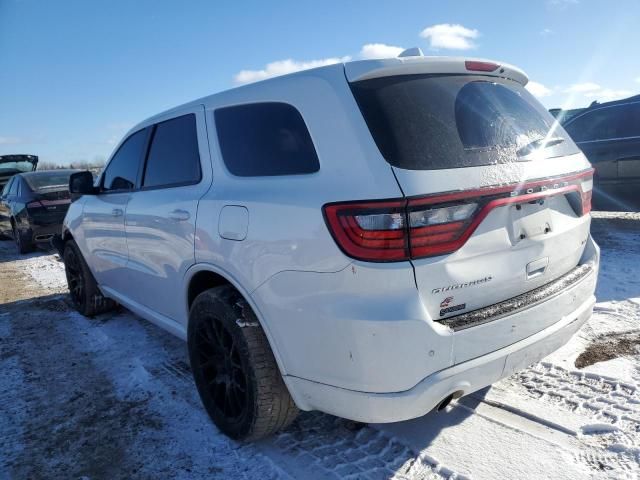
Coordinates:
[234,368]
[24,245]
[83,289]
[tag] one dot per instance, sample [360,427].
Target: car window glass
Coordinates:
[428,122]
[632,128]
[122,171]
[173,157]
[7,188]
[264,139]
[14,187]
[601,124]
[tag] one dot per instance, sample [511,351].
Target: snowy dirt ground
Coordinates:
[112,397]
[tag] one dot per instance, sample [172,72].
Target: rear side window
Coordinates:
[424,122]
[122,171]
[265,139]
[619,121]
[173,158]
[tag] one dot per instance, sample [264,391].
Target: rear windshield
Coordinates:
[16,167]
[427,122]
[48,181]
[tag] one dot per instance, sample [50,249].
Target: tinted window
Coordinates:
[600,124]
[14,187]
[631,126]
[49,180]
[422,122]
[7,187]
[122,171]
[263,139]
[173,157]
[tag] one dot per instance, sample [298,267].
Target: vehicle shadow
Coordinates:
[55,302]
[9,251]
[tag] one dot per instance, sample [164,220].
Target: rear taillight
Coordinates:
[373,231]
[402,229]
[35,204]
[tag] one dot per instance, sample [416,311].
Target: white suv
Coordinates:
[368,239]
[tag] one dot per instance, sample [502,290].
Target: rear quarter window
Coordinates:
[265,139]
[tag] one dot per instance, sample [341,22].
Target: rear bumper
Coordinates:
[461,379]
[44,233]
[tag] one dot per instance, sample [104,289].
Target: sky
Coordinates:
[76,75]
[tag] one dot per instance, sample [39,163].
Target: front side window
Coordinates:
[122,171]
[265,139]
[173,158]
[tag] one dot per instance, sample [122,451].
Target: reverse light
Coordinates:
[438,224]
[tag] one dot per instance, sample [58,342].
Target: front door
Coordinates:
[161,216]
[103,241]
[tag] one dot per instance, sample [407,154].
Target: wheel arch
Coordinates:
[196,281]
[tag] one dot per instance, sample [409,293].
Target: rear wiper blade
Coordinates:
[541,142]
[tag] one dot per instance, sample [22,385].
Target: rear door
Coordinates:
[494,193]
[105,244]
[161,215]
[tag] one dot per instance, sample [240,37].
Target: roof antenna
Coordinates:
[412,52]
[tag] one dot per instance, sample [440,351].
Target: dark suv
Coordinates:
[609,135]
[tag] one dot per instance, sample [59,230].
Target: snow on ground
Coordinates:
[112,397]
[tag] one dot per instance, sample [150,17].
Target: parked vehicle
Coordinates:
[33,206]
[609,135]
[12,164]
[368,239]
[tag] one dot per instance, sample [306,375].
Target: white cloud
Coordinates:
[561,4]
[379,50]
[282,67]
[538,89]
[11,140]
[608,94]
[454,37]
[638,79]
[545,32]
[581,92]
[583,88]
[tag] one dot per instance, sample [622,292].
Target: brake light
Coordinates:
[35,204]
[373,231]
[475,66]
[403,229]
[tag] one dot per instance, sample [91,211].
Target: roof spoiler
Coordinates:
[412,62]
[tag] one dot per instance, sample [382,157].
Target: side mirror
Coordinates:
[81,183]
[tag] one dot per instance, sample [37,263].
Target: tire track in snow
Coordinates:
[612,404]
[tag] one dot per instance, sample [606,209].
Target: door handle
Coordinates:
[117,212]
[179,215]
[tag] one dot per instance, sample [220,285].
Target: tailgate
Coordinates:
[497,193]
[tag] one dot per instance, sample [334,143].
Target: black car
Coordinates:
[12,164]
[33,206]
[609,135]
